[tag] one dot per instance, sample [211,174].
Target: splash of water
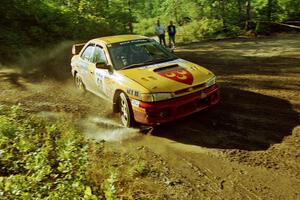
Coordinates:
[99,128]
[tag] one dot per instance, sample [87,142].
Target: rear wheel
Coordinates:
[125,111]
[79,84]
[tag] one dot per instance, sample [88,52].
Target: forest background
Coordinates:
[38,23]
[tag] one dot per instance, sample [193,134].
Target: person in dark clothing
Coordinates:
[171,32]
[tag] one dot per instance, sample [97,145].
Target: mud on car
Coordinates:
[145,82]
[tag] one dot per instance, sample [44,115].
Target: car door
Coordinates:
[101,75]
[88,67]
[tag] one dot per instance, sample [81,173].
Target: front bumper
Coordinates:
[161,112]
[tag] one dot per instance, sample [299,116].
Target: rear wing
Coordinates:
[76,48]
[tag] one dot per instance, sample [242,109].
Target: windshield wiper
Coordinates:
[139,64]
[149,62]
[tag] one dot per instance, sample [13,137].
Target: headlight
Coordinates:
[211,81]
[156,96]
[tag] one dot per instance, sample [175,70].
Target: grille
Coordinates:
[193,88]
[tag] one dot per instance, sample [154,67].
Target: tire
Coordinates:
[79,84]
[126,114]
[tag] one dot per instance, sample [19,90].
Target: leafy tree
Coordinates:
[29,23]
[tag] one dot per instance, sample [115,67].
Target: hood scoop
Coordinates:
[170,67]
[148,78]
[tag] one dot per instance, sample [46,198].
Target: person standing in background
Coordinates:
[160,32]
[171,32]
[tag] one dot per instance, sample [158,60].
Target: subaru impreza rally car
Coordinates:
[145,82]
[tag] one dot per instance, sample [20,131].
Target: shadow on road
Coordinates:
[243,120]
[13,79]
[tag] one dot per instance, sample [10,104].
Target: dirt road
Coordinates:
[248,147]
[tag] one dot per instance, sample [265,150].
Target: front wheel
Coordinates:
[125,111]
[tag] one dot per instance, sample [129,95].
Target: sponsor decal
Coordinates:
[178,74]
[133,42]
[99,80]
[135,102]
[133,92]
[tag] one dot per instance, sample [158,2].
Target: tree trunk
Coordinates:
[130,26]
[239,6]
[222,9]
[248,14]
[269,10]
[175,11]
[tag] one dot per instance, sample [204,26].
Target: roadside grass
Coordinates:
[43,159]
[122,175]
[139,168]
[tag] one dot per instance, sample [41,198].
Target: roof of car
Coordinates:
[119,38]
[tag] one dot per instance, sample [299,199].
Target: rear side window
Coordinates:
[88,53]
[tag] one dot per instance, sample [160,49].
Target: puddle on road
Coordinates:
[106,129]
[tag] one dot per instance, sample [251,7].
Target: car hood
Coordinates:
[172,76]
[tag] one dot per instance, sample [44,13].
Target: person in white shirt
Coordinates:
[160,32]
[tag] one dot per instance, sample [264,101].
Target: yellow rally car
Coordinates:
[145,82]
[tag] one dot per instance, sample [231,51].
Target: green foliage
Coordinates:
[197,30]
[180,10]
[38,23]
[31,23]
[145,27]
[292,8]
[110,187]
[139,168]
[41,160]
[234,30]
[194,18]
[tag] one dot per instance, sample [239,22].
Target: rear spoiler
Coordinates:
[76,48]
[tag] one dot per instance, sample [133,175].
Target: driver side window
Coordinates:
[99,55]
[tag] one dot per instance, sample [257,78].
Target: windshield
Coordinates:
[137,53]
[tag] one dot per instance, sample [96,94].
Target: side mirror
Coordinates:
[102,65]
